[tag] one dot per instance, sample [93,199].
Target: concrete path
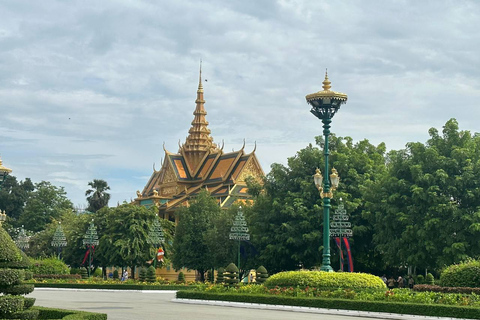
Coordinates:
[149,305]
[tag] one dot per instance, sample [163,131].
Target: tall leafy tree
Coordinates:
[13,196]
[190,243]
[46,203]
[426,208]
[97,196]
[287,217]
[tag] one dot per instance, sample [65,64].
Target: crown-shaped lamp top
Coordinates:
[326,93]
[3,169]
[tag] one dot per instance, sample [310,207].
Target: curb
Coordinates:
[103,290]
[351,313]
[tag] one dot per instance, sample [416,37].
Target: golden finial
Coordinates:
[200,86]
[326,82]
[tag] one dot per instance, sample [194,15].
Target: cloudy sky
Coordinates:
[92,89]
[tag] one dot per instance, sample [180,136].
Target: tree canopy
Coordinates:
[97,196]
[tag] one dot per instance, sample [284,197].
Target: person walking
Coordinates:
[411,282]
[391,283]
[400,282]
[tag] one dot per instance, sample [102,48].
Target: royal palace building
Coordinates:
[199,164]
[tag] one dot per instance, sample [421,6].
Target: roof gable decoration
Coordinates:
[251,169]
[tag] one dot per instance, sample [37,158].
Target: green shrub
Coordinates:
[321,279]
[210,276]
[115,274]
[465,274]
[28,302]
[231,274]
[51,313]
[220,275]
[10,277]
[181,277]
[84,273]
[429,279]
[10,304]
[23,263]
[19,289]
[50,265]
[261,275]
[142,274]
[8,250]
[371,306]
[97,272]
[25,314]
[151,275]
[420,279]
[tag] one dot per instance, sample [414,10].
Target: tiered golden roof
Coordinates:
[199,164]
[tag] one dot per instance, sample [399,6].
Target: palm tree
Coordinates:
[97,196]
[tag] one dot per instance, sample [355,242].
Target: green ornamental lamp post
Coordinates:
[156,237]
[324,106]
[22,239]
[59,239]
[239,231]
[90,240]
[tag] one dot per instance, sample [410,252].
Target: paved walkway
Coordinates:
[146,305]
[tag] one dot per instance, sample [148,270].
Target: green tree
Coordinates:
[124,242]
[286,219]
[13,196]
[194,226]
[46,203]
[426,208]
[97,196]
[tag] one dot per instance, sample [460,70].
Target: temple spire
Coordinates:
[199,140]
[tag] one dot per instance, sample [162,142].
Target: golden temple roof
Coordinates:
[326,93]
[4,169]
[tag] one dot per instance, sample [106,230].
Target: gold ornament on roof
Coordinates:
[326,93]
[4,169]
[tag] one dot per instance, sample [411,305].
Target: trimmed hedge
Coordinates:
[49,266]
[434,288]
[8,249]
[10,304]
[371,306]
[465,274]
[112,286]
[19,289]
[57,276]
[325,280]
[52,313]
[25,314]
[9,277]
[23,263]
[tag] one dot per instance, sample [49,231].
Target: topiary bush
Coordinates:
[210,276]
[142,274]
[181,277]
[420,279]
[84,273]
[151,276]
[50,265]
[231,274]
[220,275]
[465,274]
[13,262]
[261,275]
[429,279]
[115,274]
[327,280]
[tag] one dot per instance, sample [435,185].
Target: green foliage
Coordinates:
[10,277]
[45,204]
[220,275]
[191,244]
[210,276]
[26,314]
[286,219]
[429,279]
[28,302]
[320,279]
[424,209]
[435,288]
[97,196]
[181,277]
[13,196]
[465,274]
[51,313]
[10,304]
[115,274]
[261,275]
[420,279]
[18,289]
[84,273]
[8,250]
[231,274]
[124,233]
[51,265]
[142,274]
[151,275]
[344,304]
